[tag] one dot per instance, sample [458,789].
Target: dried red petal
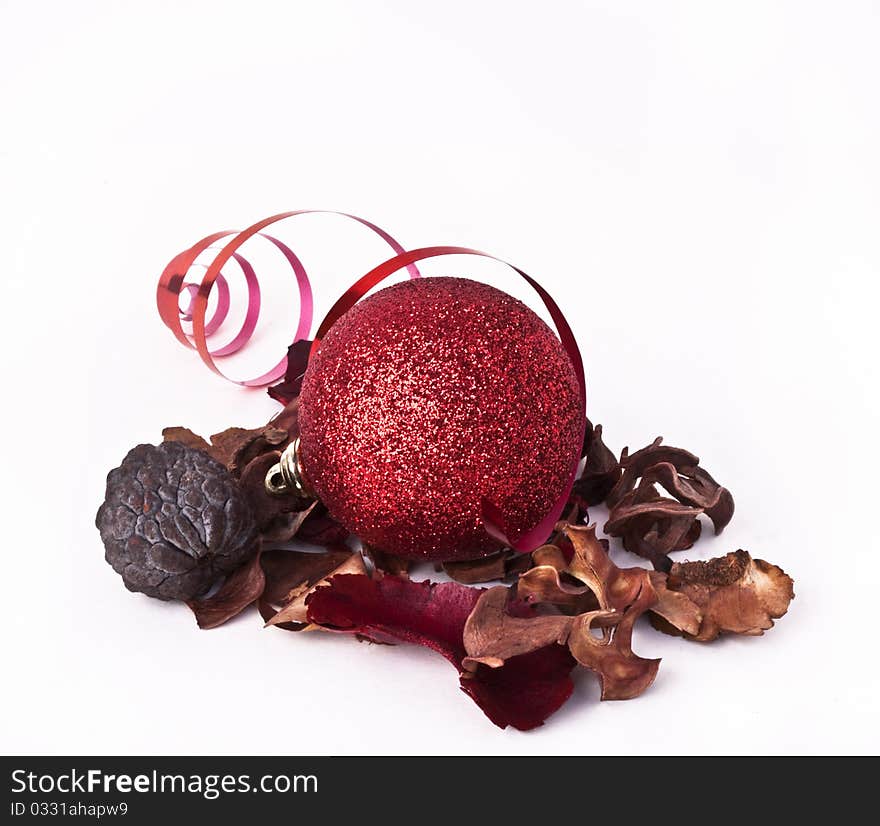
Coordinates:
[320,528]
[423,613]
[522,693]
[526,691]
[297,361]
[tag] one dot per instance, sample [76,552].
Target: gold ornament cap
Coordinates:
[285,477]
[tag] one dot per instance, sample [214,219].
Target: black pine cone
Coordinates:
[173,519]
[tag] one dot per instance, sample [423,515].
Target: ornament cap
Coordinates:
[286,477]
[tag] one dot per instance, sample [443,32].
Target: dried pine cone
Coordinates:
[173,519]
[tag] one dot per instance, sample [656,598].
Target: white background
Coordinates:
[698,183]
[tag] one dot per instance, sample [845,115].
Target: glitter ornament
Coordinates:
[429,398]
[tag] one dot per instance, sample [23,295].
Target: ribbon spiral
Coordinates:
[172,284]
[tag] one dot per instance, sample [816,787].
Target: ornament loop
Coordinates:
[285,477]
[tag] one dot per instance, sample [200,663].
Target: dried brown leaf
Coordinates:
[186,437]
[271,512]
[591,591]
[492,636]
[503,565]
[601,471]
[227,444]
[293,608]
[241,588]
[285,570]
[653,526]
[733,594]
[387,563]
[238,447]
[622,674]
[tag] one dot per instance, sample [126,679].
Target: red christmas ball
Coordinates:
[425,398]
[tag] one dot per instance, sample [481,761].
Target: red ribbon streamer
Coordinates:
[171,285]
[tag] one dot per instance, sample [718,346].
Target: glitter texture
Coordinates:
[426,397]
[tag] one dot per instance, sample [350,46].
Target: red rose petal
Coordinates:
[526,690]
[423,613]
[521,693]
[297,360]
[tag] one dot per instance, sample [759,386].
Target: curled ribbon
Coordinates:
[172,283]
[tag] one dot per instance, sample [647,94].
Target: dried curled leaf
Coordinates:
[653,525]
[522,693]
[589,590]
[601,470]
[622,673]
[696,488]
[236,447]
[636,464]
[590,570]
[544,585]
[241,589]
[732,594]
[492,636]
[503,565]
